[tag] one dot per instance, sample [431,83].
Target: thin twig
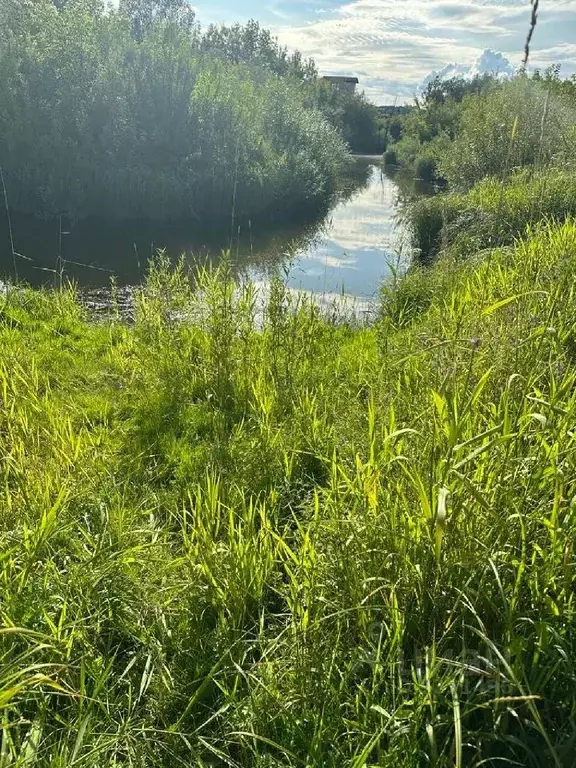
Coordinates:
[7,208]
[234,193]
[533,23]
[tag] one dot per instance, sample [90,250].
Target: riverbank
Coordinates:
[296,544]
[493,213]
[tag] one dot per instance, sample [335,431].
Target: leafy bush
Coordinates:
[141,116]
[426,168]
[420,159]
[357,120]
[391,157]
[484,126]
[519,123]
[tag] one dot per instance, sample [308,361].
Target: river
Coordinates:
[346,253]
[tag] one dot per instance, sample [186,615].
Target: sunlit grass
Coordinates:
[296,544]
[493,213]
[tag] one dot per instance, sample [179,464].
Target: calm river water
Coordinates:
[356,244]
[348,252]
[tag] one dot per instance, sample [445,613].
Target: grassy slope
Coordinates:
[492,213]
[309,545]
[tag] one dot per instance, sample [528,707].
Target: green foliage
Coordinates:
[464,130]
[419,159]
[517,124]
[493,213]
[423,137]
[395,129]
[426,167]
[138,114]
[236,532]
[244,535]
[390,157]
[451,91]
[358,121]
[250,44]
[424,134]
[144,14]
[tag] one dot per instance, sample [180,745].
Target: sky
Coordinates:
[394,46]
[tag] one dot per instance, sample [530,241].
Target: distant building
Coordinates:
[342,83]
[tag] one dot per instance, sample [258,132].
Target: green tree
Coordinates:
[143,14]
[359,121]
[98,120]
[250,44]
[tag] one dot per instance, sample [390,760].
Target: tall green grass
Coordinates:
[493,213]
[520,123]
[238,540]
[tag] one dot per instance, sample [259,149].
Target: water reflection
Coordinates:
[356,244]
[345,251]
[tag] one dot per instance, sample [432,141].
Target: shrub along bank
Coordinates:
[493,213]
[461,131]
[140,114]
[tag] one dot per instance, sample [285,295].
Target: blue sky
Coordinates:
[392,45]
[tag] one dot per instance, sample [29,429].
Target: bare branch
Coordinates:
[533,23]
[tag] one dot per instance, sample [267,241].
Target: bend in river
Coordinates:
[348,252]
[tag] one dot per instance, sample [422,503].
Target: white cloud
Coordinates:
[392,44]
[334,262]
[488,63]
[492,63]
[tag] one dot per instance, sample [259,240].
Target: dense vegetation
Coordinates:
[236,531]
[359,122]
[141,113]
[240,539]
[416,138]
[462,131]
[505,149]
[492,213]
